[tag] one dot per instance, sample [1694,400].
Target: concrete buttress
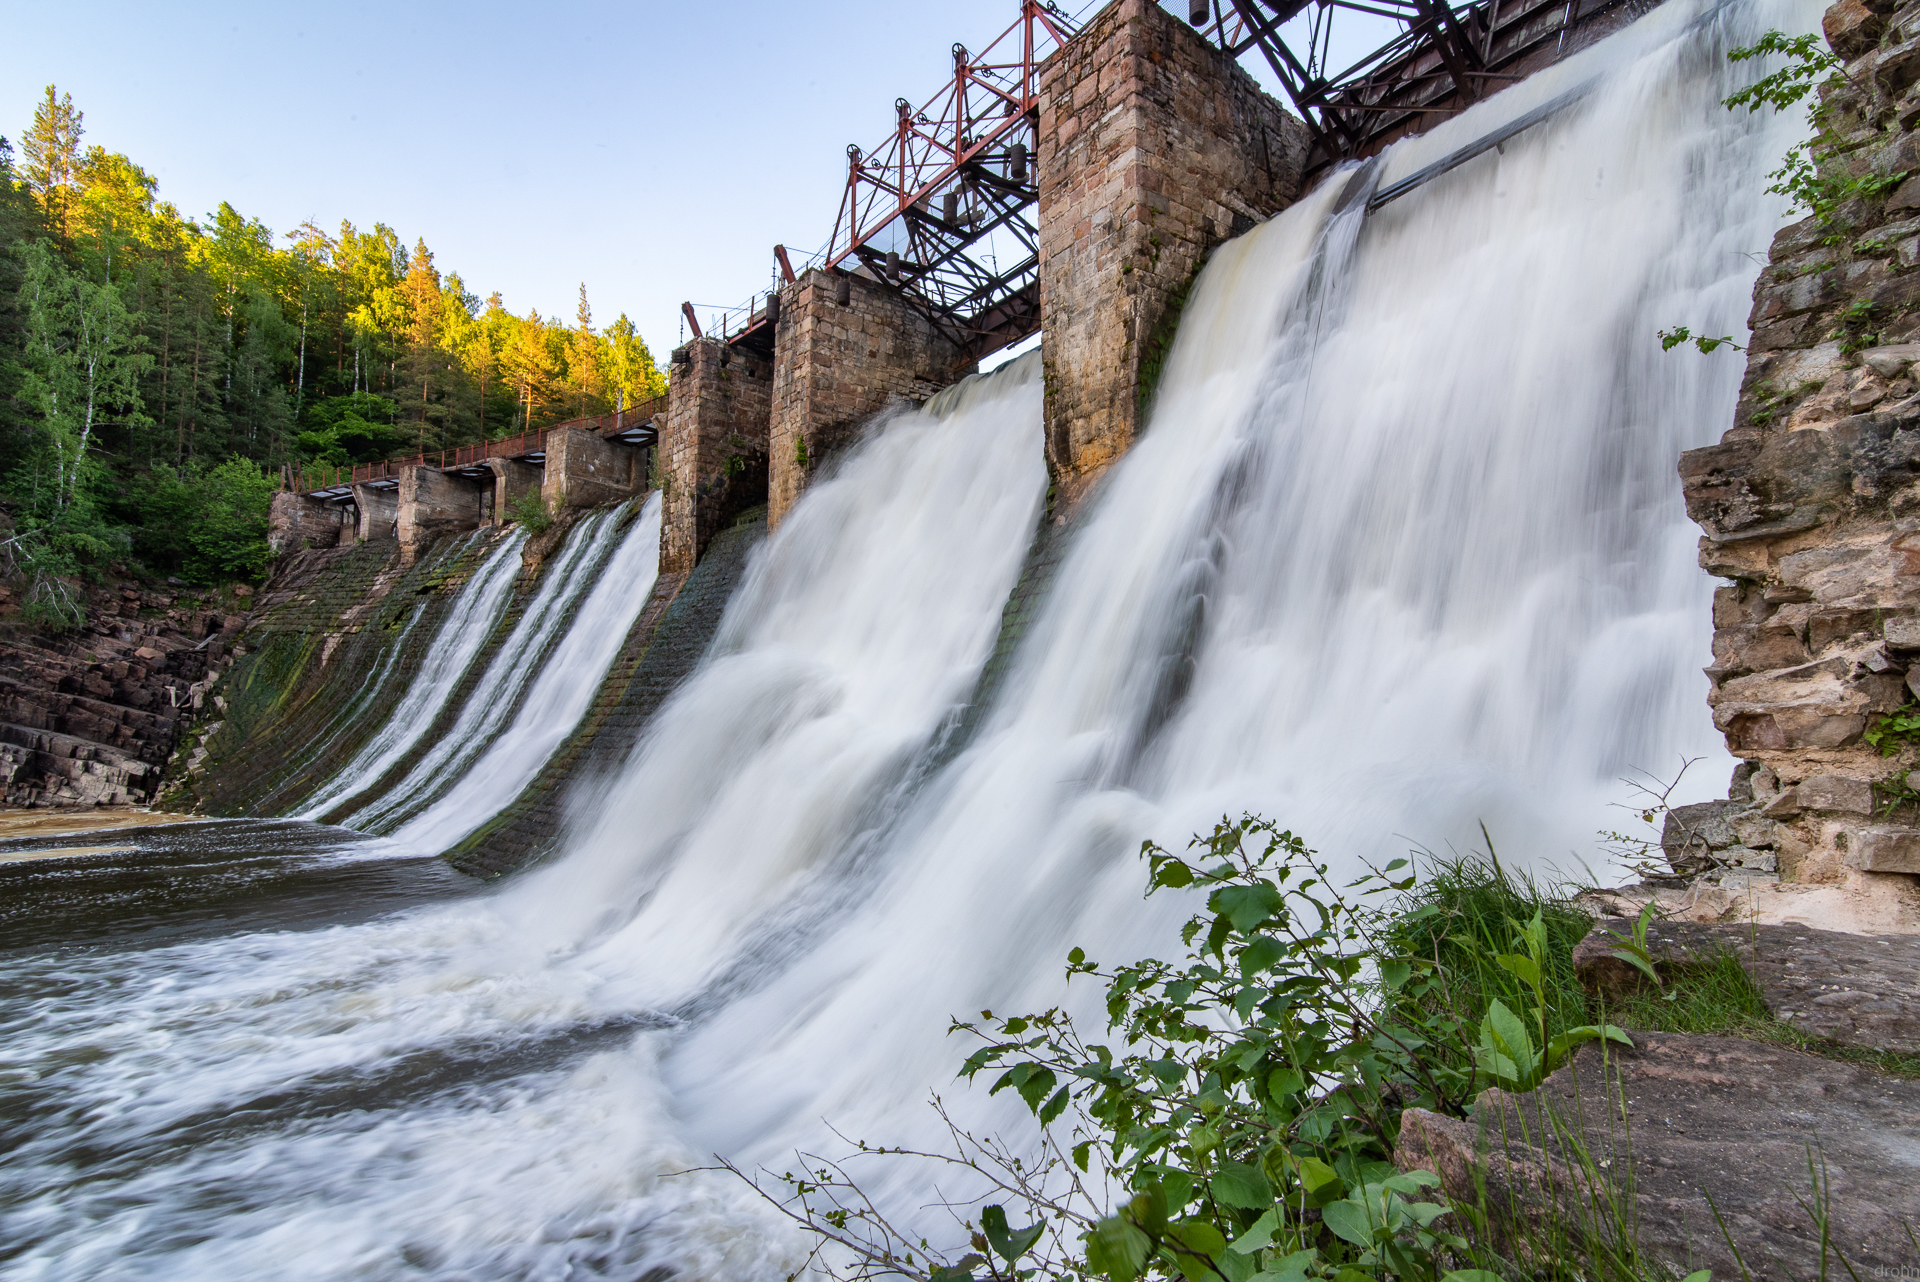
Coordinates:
[433,503]
[585,470]
[713,450]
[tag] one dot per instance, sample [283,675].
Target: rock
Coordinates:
[1890,361]
[1852,28]
[1713,1130]
[1884,849]
[1691,833]
[1868,394]
[148,653]
[1824,792]
[1859,989]
[242,590]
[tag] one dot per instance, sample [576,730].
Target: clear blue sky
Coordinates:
[655,151]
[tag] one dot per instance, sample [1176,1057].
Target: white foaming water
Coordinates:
[495,695]
[567,680]
[453,646]
[1402,550]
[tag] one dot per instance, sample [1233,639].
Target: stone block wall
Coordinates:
[713,450]
[1153,147]
[834,366]
[297,521]
[585,470]
[1811,507]
[433,503]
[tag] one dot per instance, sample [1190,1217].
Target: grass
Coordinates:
[1472,903]
[1721,999]
[1465,913]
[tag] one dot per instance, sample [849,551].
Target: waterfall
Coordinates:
[1401,550]
[452,648]
[497,692]
[560,694]
[368,702]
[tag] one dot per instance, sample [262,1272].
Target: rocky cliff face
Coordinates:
[1811,507]
[90,718]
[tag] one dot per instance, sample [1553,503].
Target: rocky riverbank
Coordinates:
[90,717]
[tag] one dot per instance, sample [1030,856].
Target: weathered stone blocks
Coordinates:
[1153,147]
[1811,502]
[836,364]
[713,450]
[296,521]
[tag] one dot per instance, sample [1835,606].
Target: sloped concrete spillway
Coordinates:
[1401,551]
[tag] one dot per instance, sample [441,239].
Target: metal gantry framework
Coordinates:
[1443,60]
[944,208]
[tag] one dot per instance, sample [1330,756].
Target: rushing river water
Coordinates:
[1402,551]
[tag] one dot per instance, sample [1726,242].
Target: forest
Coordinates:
[158,371]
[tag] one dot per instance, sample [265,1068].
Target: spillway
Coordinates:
[1401,551]
[458,640]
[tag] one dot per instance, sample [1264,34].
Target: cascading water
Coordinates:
[369,703]
[456,642]
[1402,550]
[553,707]
[496,695]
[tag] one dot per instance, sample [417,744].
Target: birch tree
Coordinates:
[82,364]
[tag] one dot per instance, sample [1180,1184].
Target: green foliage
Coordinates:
[1808,66]
[1245,1099]
[1634,950]
[1814,175]
[1888,735]
[357,428]
[138,343]
[530,509]
[1672,338]
[208,525]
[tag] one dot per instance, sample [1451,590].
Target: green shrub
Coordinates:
[1246,1099]
[530,510]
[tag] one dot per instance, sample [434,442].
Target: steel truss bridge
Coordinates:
[944,209]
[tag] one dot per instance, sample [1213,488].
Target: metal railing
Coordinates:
[311,479]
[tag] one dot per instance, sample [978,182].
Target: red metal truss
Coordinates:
[944,208]
[1443,59]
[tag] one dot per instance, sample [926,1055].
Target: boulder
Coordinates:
[1859,989]
[1680,1135]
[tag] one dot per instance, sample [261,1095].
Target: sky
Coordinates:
[654,151]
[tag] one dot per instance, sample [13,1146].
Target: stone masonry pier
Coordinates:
[713,450]
[1154,147]
[835,364]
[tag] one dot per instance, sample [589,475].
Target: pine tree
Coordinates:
[586,380]
[51,149]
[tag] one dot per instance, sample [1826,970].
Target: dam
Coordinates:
[549,857]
